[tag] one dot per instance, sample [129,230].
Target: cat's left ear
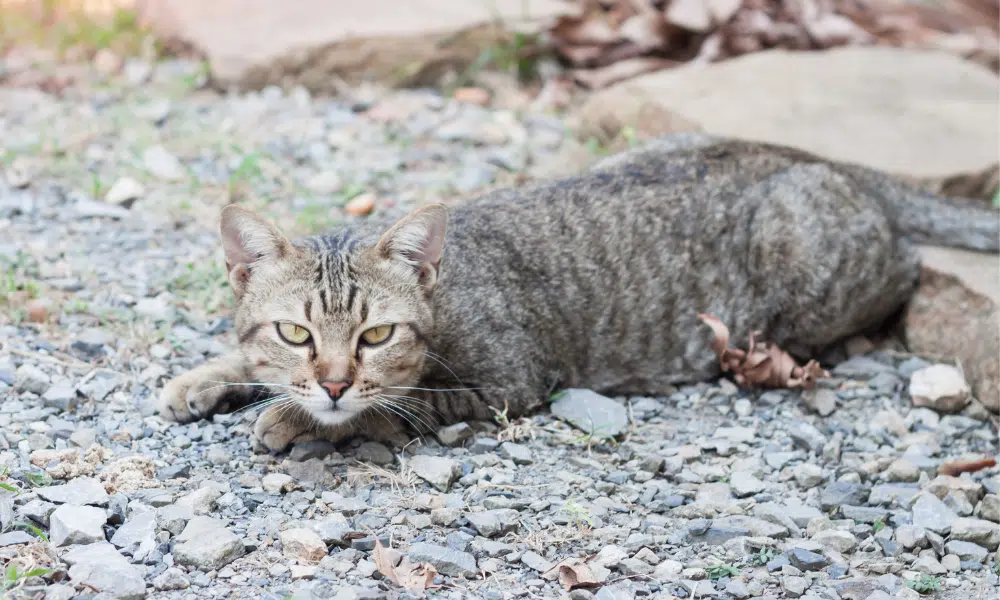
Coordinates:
[417,240]
[251,243]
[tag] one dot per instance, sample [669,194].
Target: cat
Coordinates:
[592,281]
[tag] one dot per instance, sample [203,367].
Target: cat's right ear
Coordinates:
[250,242]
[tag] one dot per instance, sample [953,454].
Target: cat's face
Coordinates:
[340,332]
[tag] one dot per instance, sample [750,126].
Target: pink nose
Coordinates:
[336,388]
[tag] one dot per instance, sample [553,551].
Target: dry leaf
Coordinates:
[578,576]
[398,569]
[957,467]
[764,364]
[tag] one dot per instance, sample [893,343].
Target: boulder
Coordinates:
[254,43]
[928,116]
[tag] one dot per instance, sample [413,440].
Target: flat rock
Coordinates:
[206,544]
[275,483]
[591,412]
[520,454]
[113,576]
[70,524]
[967,550]
[253,43]
[333,529]
[16,538]
[941,387]
[438,471]
[745,484]
[978,531]
[840,493]
[492,523]
[304,544]
[933,514]
[924,114]
[445,560]
[140,528]
[806,560]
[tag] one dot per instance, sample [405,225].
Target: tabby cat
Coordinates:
[592,281]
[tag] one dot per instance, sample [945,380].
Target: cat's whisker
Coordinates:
[443,363]
[394,410]
[415,403]
[428,418]
[391,387]
[423,420]
[223,384]
[264,404]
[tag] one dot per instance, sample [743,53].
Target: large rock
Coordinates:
[929,116]
[252,43]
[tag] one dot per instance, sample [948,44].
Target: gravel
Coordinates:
[839,485]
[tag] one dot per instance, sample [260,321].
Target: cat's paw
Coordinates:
[279,427]
[199,393]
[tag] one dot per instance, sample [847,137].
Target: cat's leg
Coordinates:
[207,389]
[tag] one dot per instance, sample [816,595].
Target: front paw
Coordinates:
[280,427]
[197,394]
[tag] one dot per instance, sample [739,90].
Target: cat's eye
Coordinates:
[292,333]
[376,335]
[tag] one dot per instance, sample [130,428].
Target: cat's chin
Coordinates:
[332,417]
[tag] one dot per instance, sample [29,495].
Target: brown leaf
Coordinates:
[578,576]
[957,467]
[763,364]
[414,577]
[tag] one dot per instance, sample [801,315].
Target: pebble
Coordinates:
[745,484]
[161,163]
[455,435]
[445,560]
[80,491]
[171,579]
[70,524]
[805,560]
[933,515]
[840,493]
[521,455]
[940,387]
[275,483]
[821,401]
[207,544]
[493,523]
[125,192]
[591,412]
[438,471]
[303,544]
[31,379]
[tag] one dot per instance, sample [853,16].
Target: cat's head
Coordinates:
[338,328]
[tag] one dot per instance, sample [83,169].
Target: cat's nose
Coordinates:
[335,388]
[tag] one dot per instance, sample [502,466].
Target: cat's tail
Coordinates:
[939,220]
[943,221]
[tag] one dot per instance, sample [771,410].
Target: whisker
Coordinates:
[223,384]
[403,412]
[390,387]
[439,360]
[414,402]
[425,417]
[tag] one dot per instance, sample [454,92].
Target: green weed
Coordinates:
[13,577]
[762,556]
[716,572]
[924,584]
[205,284]
[33,529]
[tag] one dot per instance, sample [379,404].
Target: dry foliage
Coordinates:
[957,467]
[611,40]
[398,569]
[577,576]
[763,364]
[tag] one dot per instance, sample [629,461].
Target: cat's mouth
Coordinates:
[327,411]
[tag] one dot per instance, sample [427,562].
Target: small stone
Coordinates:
[445,560]
[438,471]
[139,529]
[348,506]
[591,412]
[928,564]
[521,455]
[808,437]
[951,563]
[805,560]
[81,491]
[737,589]
[454,435]
[911,536]
[978,531]
[902,470]
[16,538]
[807,475]
[360,205]
[493,523]
[933,515]
[326,182]
[202,501]
[218,455]
[989,508]
[835,539]
[61,396]
[333,530]
[302,572]
[114,576]
[70,524]
[303,544]
[537,562]
[743,407]
[125,192]
[745,484]
[967,551]
[161,163]
[206,544]
[31,379]
[374,452]
[941,387]
[822,401]
[174,518]
[171,579]
[304,451]
[275,483]
[472,95]
[794,586]
[840,493]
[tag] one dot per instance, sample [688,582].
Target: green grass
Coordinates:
[878,525]
[33,529]
[924,584]
[38,479]
[61,26]
[205,284]
[724,570]
[13,578]
[762,556]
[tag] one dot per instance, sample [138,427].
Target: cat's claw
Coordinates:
[199,393]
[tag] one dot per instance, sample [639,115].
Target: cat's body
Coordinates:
[593,281]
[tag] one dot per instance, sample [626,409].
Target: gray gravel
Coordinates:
[108,208]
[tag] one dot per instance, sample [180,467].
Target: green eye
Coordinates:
[293,334]
[377,335]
